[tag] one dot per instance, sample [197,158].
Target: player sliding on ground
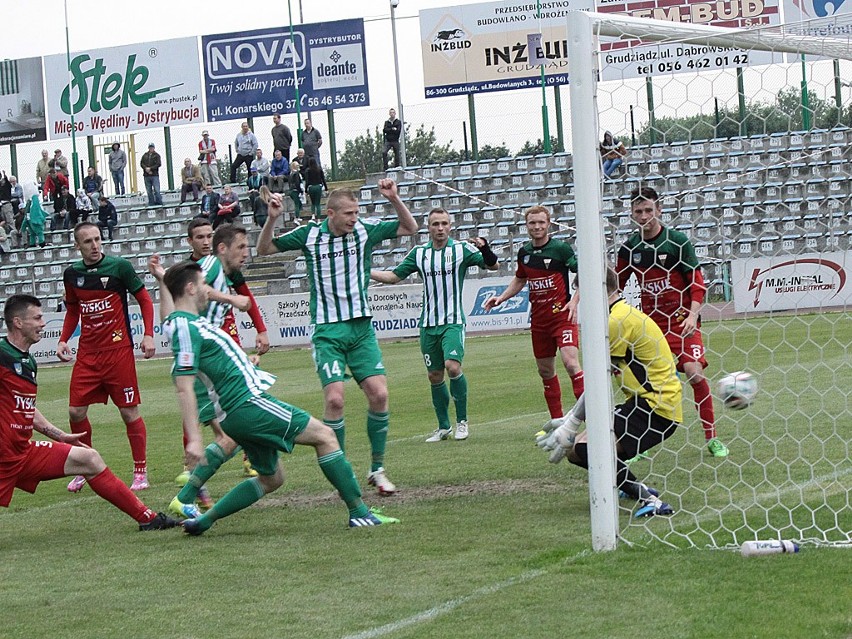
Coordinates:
[652,412]
[25,463]
[257,421]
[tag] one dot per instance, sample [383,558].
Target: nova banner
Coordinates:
[21,101]
[255,73]
[485,47]
[126,88]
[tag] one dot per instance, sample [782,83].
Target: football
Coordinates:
[738,390]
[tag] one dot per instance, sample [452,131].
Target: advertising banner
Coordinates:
[817,19]
[254,73]
[818,280]
[627,58]
[484,47]
[396,312]
[21,101]
[126,88]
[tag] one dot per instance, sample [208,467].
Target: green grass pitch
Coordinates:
[494,541]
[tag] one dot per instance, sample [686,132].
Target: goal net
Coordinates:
[744,134]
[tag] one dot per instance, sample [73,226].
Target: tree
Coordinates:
[489,152]
[538,148]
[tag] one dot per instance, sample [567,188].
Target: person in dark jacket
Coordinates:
[107,216]
[314,186]
[391,132]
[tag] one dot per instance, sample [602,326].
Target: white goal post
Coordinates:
[727,521]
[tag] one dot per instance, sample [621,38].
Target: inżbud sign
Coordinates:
[124,88]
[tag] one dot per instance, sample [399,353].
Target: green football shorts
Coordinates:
[440,343]
[264,426]
[351,343]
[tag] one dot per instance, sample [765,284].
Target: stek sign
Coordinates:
[792,282]
[124,88]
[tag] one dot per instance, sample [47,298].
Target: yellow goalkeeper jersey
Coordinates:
[639,350]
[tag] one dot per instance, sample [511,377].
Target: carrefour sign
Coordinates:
[124,88]
[256,73]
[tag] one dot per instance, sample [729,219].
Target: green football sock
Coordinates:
[377,432]
[215,457]
[441,402]
[240,496]
[458,389]
[337,425]
[338,471]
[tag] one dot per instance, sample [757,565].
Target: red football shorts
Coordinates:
[547,340]
[109,374]
[686,349]
[45,460]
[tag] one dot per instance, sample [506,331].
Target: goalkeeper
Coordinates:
[646,369]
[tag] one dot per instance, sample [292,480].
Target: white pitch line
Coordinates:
[495,422]
[483,591]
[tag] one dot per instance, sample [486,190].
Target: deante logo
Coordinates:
[100,91]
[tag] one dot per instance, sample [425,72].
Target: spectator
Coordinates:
[301,159]
[59,162]
[295,183]
[311,142]
[245,145]
[53,185]
[314,185]
[207,160]
[93,185]
[7,211]
[150,164]
[64,211]
[107,216]
[5,244]
[34,223]
[282,139]
[190,177]
[261,164]
[229,208]
[259,205]
[117,164]
[209,203]
[612,154]
[83,206]
[254,181]
[42,168]
[279,170]
[391,132]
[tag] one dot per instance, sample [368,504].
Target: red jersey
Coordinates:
[547,270]
[97,294]
[668,273]
[17,406]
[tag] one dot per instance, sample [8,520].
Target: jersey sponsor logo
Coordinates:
[25,402]
[655,287]
[541,284]
[98,306]
[117,336]
[330,255]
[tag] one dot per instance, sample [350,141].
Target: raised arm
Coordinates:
[407,224]
[167,304]
[275,207]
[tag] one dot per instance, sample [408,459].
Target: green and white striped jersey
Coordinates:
[215,278]
[338,266]
[443,271]
[206,351]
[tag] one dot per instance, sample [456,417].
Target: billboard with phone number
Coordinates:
[255,73]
